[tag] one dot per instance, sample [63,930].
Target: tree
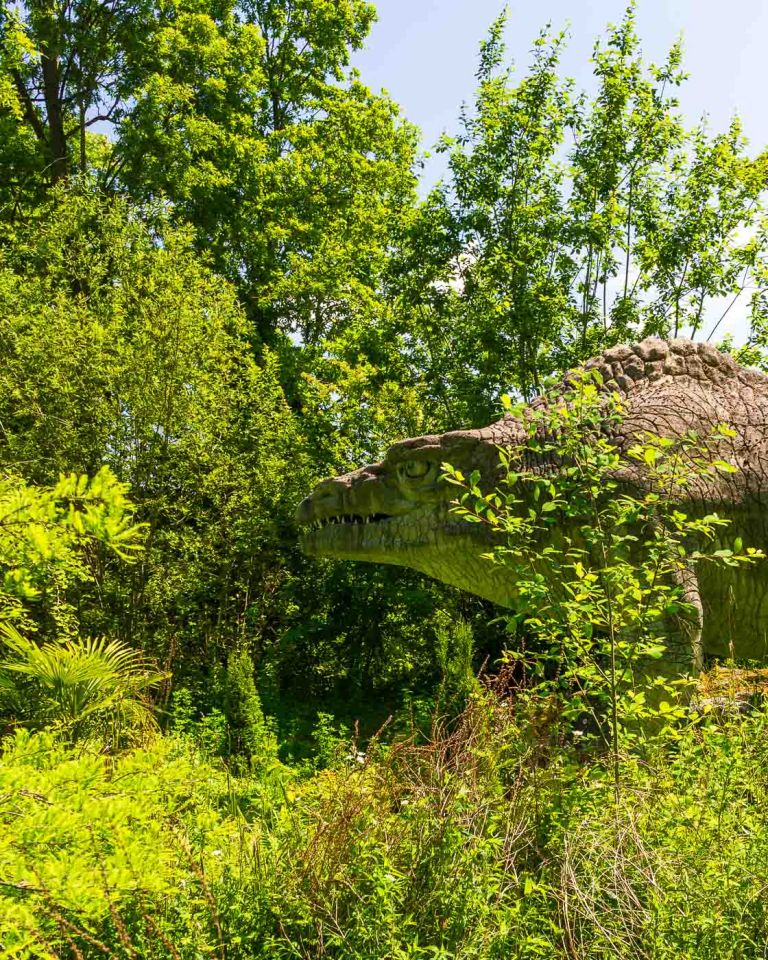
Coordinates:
[568,223]
[53,540]
[119,348]
[291,173]
[61,65]
[245,116]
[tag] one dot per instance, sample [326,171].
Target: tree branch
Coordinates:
[30,112]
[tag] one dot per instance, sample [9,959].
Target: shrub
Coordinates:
[602,556]
[92,688]
[486,841]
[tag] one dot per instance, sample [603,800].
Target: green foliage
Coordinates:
[332,741]
[604,558]
[485,842]
[568,223]
[86,689]
[455,648]
[94,839]
[236,293]
[52,539]
[62,70]
[290,170]
[55,537]
[254,734]
[158,383]
[268,304]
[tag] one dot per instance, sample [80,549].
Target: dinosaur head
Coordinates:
[398,511]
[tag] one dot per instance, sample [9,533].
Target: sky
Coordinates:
[424,54]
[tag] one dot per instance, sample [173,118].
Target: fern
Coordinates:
[93,687]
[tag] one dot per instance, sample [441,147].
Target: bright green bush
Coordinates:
[680,868]
[486,841]
[91,688]
[55,537]
[94,849]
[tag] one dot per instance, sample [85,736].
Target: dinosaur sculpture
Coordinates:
[398,511]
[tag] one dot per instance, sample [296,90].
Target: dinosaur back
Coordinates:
[670,387]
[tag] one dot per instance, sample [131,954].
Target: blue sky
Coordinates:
[424,53]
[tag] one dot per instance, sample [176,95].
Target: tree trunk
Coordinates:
[57,140]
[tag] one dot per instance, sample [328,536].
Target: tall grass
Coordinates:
[485,838]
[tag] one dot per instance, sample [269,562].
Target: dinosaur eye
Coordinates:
[414,469]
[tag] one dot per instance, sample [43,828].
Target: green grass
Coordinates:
[488,839]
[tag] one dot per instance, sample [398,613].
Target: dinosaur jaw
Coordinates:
[377,537]
[425,538]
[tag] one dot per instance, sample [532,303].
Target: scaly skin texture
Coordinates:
[398,511]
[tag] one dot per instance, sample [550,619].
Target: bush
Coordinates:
[485,841]
[108,855]
[92,688]
[604,547]
[252,734]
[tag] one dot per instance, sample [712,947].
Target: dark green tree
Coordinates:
[61,74]
[118,347]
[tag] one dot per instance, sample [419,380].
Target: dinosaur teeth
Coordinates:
[349,519]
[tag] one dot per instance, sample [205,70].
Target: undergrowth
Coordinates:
[489,838]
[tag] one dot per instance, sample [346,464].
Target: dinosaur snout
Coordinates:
[326,500]
[304,511]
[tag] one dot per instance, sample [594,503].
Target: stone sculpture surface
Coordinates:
[398,511]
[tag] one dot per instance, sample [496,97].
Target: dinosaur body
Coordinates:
[398,511]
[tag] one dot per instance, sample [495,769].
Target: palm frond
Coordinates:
[86,687]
